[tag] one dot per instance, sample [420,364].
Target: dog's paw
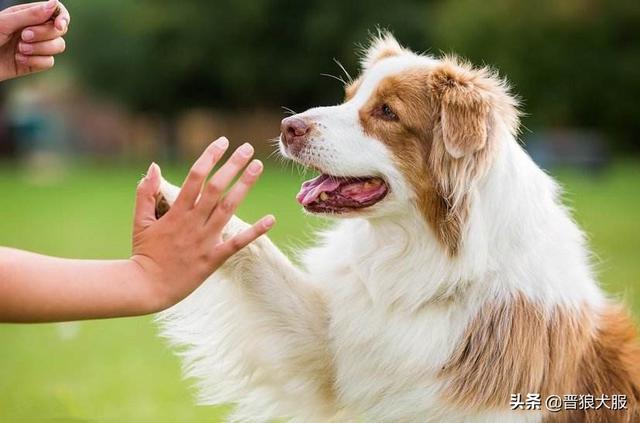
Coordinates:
[165,197]
[234,227]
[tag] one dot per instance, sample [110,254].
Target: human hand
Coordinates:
[177,252]
[29,38]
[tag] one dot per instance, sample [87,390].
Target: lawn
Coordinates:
[118,370]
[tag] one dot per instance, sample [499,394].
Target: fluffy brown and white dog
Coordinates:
[454,279]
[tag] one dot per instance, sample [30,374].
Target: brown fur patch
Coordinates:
[441,138]
[410,139]
[351,89]
[162,206]
[464,116]
[609,366]
[518,347]
[381,47]
[384,53]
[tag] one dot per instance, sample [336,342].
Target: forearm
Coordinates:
[171,257]
[38,288]
[268,276]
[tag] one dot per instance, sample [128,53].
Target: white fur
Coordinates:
[377,305]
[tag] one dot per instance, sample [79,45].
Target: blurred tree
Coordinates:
[167,55]
[574,62]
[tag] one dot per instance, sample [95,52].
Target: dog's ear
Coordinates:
[465,108]
[165,197]
[381,46]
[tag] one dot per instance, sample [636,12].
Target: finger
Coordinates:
[43,48]
[35,63]
[198,174]
[28,16]
[229,204]
[246,237]
[222,178]
[44,32]
[63,19]
[23,6]
[145,211]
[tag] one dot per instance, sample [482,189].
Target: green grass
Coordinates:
[118,370]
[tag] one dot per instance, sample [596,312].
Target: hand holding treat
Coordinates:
[30,36]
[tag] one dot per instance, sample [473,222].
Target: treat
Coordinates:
[55,13]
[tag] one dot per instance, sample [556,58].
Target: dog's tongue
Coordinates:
[311,190]
[339,193]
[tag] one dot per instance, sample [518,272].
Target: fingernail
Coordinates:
[153,170]
[221,142]
[21,59]
[28,35]
[26,48]
[269,221]
[254,167]
[62,24]
[246,149]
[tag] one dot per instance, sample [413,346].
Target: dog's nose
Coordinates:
[294,130]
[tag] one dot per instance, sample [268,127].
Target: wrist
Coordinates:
[153,296]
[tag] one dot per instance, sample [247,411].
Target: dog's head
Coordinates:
[413,132]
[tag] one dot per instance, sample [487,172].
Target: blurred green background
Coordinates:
[150,80]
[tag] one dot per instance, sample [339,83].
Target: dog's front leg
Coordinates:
[256,333]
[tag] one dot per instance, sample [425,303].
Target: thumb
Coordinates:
[37,14]
[146,198]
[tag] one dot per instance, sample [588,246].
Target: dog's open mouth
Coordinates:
[337,194]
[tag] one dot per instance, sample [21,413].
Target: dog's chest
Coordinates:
[384,356]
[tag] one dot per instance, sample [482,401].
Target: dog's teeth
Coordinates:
[371,183]
[374,183]
[323,196]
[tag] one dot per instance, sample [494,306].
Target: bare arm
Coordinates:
[37,288]
[171,257]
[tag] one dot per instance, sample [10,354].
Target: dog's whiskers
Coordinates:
[337,78]
[348,75]
[288,110]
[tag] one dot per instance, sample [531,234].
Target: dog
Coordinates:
[454,286]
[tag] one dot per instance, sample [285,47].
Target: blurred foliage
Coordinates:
[574,62]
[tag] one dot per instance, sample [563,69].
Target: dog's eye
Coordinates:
[385,112]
